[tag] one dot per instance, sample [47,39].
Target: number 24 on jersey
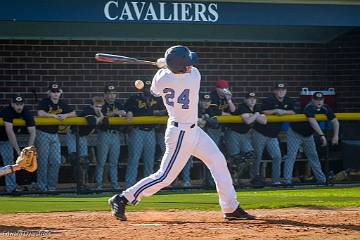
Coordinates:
[183,98]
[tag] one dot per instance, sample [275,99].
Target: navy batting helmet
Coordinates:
[178,58]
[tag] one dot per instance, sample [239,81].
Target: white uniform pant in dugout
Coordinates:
[182,141]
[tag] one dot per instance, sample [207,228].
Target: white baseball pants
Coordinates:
[182,141]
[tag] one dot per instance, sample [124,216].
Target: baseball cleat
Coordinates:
[238,214]
[118,204]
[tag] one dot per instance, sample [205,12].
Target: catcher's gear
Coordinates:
[28,159]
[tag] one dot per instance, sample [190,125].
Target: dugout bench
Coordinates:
[66,180]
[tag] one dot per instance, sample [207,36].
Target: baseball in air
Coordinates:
[139,84]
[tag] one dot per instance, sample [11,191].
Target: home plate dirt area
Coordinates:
[290,223]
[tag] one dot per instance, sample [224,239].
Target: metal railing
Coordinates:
[124,149]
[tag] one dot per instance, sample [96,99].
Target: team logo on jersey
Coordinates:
[223,107]
[110,110]
[141,104]
[153,102]
[55,111]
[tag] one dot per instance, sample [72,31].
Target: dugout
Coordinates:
[252,44]
[313,44]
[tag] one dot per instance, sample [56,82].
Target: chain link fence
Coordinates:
[114,159]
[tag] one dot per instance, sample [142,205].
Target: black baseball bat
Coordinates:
[111,58]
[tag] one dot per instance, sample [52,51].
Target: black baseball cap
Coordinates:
[17,99]
[318,96]
[147,84]
[205,97]
[280,86]
[54,87]
[250,95]
[109,88]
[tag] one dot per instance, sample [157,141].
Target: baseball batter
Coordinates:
[179,85]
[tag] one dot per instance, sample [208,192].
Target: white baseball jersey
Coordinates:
[183,138]
[180,93]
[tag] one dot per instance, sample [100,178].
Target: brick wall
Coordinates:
[28,66]
[344,70]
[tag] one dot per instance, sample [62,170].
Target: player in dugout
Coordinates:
[47,140]
[95,118]
[266,136]
[302,133]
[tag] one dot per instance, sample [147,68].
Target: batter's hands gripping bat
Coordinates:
[111,58]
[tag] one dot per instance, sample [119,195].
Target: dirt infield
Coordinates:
[295,223]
